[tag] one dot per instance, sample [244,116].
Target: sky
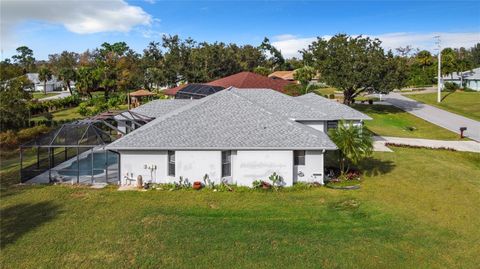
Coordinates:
[52,26]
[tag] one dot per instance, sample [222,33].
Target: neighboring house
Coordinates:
[237,135]
[242,80]
[285,75]
[197,91]
[470,79]
[52,85]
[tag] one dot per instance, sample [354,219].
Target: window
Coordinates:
[171,163]
[332,125]
[226,163]
[299,157]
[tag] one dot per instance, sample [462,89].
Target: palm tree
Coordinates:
[44,74]
[424,58]
[354,144]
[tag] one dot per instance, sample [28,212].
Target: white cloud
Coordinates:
[81,17]
[289,45]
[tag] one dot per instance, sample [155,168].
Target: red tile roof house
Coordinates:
[242,80]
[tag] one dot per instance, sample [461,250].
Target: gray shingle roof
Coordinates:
[157,108]
[282,104]
[224,120]
[333,109]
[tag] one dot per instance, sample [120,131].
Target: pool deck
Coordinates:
[43,178]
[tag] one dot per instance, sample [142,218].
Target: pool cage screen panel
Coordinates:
[80,147]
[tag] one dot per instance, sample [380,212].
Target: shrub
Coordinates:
[83,109]
[331,96]
[11,140]
[451,87]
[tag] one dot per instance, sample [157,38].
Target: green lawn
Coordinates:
[463,103]
[392,121]
[39,95]
[417,209]
[327,91]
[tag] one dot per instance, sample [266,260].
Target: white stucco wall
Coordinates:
[312,171]
[250,165]
[133,162]
[195,164]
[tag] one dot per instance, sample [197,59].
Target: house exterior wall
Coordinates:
[473,84]
[312,171]
[250,165]
[193,165]
[133,162]
[247,165]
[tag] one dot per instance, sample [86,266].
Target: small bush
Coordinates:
[11,140]
[451,87]
[331,96]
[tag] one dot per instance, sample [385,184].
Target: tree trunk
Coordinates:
[347,97]
[69,88]
[45,87]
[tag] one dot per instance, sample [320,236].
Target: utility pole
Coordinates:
[439,76]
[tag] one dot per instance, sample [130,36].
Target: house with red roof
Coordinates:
[242,80]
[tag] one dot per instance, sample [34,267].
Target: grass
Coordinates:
[392,121]
[466,104]
[327,91]
[69,114]
[416,209]
[40,95]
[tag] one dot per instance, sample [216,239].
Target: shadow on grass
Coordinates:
[378,109]
[374,167]
[19,219]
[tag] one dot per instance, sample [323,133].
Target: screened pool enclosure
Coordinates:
[75,152]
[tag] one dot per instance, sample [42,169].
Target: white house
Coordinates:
[470,79]
[238,135]
[52,85]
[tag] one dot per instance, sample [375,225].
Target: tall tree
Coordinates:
[13,103]
[24,58]
[45,74]
[449,61]
[424,59]
[64,66]
[276,59]
[354,65]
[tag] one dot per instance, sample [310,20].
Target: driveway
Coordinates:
[380,141]
[61,95]
[440,117]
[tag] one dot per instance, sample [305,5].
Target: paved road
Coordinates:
[470,146]
[440,117]
[61,95]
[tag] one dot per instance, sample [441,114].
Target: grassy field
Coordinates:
[392,121]
[416,209]
[463,103]
[39,95]
[328,91]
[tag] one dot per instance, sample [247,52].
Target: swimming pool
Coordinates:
[85,164]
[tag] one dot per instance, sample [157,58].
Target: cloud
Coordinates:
[289,45]
[81,17]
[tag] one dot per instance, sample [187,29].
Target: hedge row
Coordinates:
[37,107]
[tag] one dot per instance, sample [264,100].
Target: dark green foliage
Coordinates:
[355,65]
[13,104]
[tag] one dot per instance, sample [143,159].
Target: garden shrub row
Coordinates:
[37,107]
[11,139]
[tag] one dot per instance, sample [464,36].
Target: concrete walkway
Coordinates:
[61,95]
[380,141]
[440,117]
